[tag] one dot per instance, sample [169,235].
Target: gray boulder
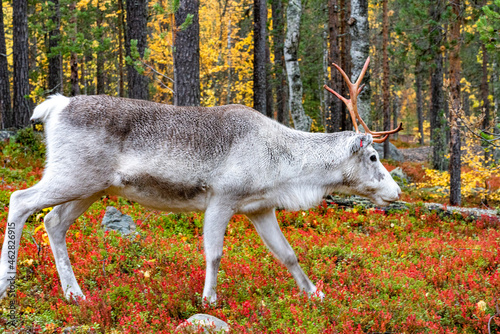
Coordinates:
[117,221]
[208,323]
[393,151]
[6,134]
[399,176]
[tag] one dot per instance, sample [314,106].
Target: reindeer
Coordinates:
[221,160]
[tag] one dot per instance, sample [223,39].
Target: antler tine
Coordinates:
[380,140]
[346,78]
[343,99]
[363,71]
[353,93]
[360,89]
[348,102]
[379,133]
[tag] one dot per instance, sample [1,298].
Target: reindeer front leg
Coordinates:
[216,219]
[57,223]
[269,230]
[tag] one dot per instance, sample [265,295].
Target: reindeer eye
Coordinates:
[373,158]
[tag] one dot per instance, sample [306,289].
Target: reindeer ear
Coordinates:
[361,141]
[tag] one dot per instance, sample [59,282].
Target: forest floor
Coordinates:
[416,154]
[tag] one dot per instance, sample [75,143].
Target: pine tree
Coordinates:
[454,118]
[54,54]
[187,54]
[21,105]
[5,101]
[135,45]
[259,66]
[334,105]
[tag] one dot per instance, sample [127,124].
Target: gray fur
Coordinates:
[220,160]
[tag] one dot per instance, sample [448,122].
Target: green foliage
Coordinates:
[489,25]
[186,23]
[25,142]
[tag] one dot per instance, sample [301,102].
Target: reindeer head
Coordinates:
[364,174]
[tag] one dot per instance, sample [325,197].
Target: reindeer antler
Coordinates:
[352,104]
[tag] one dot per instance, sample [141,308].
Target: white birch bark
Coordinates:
[360,50]
[300,120]
[325,96]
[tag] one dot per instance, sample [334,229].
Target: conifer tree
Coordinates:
[5,101]
[187,54]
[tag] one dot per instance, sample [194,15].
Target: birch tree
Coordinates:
[437,112]
[300,120]
[359,51]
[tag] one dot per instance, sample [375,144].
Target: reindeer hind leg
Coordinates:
[50,191]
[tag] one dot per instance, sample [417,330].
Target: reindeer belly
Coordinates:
[160,193]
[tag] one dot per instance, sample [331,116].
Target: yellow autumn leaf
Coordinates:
[39,227]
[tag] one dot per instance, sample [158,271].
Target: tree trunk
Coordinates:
[496,101]
[395,112]
[259,56]
[385,68]
[89,77]
[187,55]
[437,112]
[7,118]
[485,89]
[100,56]
[345,63]
[21,105]
[136,31]
[359,51]
[455,76]
[54,56]
[279,66]
[420,102]
[466,103]
[75,87]
[121,24]
[229,64]
[496,90]
[334,105]
[325,96]
[269,87]
[300,120]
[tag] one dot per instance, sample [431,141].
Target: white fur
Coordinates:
[53,105]
[95,149]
